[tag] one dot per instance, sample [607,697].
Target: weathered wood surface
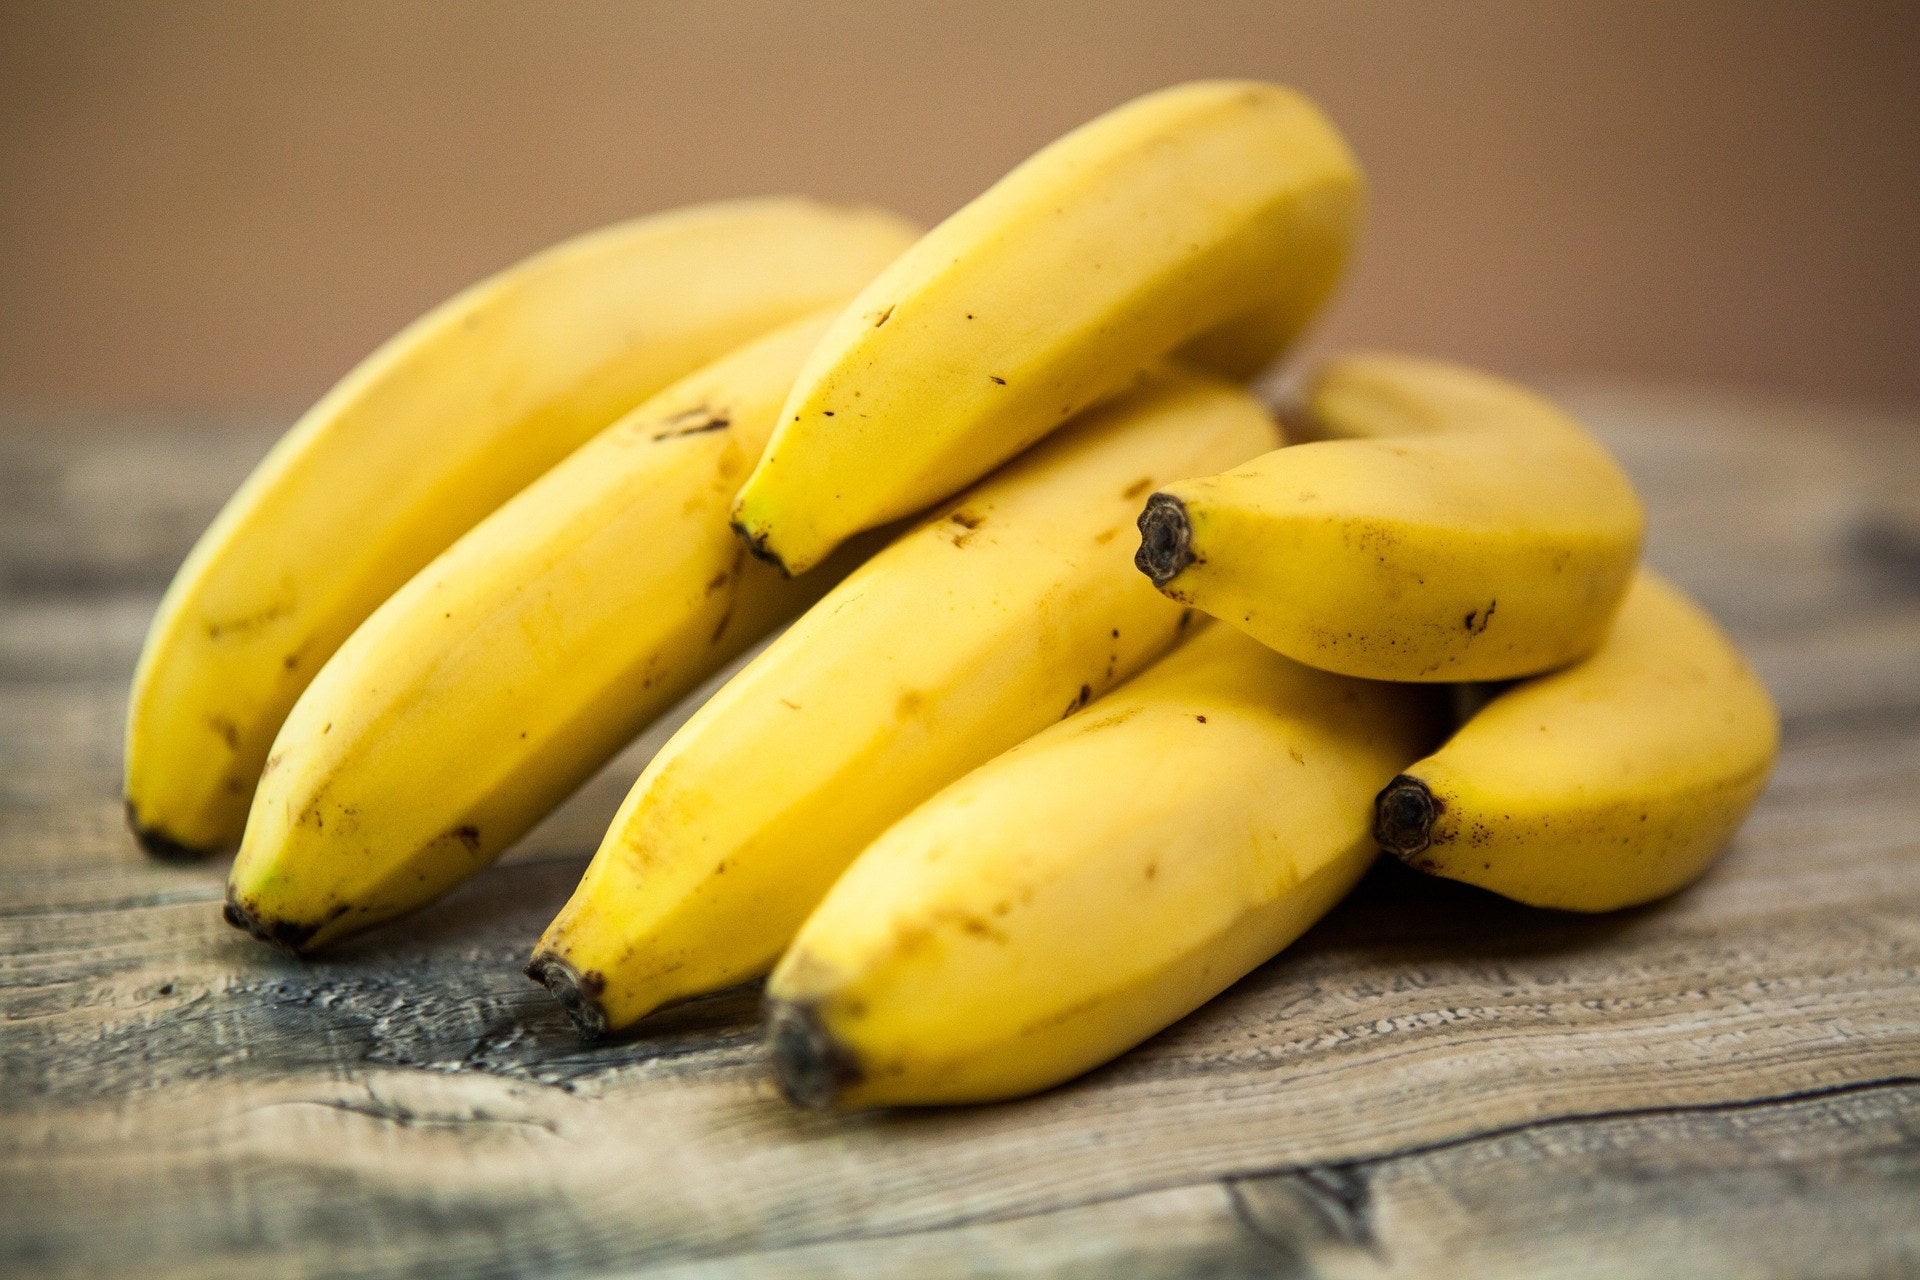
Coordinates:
[1432,1083]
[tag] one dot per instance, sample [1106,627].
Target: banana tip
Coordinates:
[287,935]
[158,844]
[812,1067]
[1403,817]
[578,993]
[1166,539]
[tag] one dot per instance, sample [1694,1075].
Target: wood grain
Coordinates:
[1432,1083]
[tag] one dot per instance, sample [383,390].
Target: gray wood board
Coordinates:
[1433,1082]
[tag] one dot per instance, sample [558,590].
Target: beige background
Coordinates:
[225,205]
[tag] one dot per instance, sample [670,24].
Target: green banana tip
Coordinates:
[160,846]
[812,1067]
[1166,539]
[1403,816]
[578,993]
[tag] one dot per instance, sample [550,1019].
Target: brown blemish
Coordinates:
[1201,719]
[969,524]
[1080,700]
[883,317]
[1138,487]
[229,731]
[756,544]
[468,835]
[693,422]
[1153,869]
[994,377]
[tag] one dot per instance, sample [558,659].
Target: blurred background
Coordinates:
[224,205]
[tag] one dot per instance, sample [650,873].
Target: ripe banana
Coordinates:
[1447,526]
[988,621]
[1093,885]
[1207,205]
[425,437]
[1605,785]
[520,660]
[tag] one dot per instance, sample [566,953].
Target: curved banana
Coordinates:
[1449,526]
[1608,784]
[1086,889]
[426,436]
[1187,209]
[520,660]
[985,623]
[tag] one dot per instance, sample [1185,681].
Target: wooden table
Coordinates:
[1432,1083]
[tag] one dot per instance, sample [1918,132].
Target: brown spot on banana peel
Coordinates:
[1404,814]
[693,422]
[812,1068]
[578,993]
[1166,539]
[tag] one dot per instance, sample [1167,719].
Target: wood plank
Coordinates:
[1716,1083]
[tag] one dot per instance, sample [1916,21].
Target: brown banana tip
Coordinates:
[159,845]
[758,548]
[1403,817]
[578,993]
[286,935]
[812,1068]
[1166,539]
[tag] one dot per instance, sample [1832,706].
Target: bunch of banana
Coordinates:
[989,621]
[987,810]
[429,434]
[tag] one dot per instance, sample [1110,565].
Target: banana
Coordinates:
[1605,785]
[520,660]
[1449,527]
[425,437]
[1086,889]
[986,622]
[1216,213]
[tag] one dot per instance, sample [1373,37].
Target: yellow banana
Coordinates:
[1209,204]
[425,437]
[1450,526]
[1604,785]
[520,660]
[1093,885]
[988,621]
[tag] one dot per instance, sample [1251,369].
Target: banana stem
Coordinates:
[578,993]
[1166,539]
[1403,816]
